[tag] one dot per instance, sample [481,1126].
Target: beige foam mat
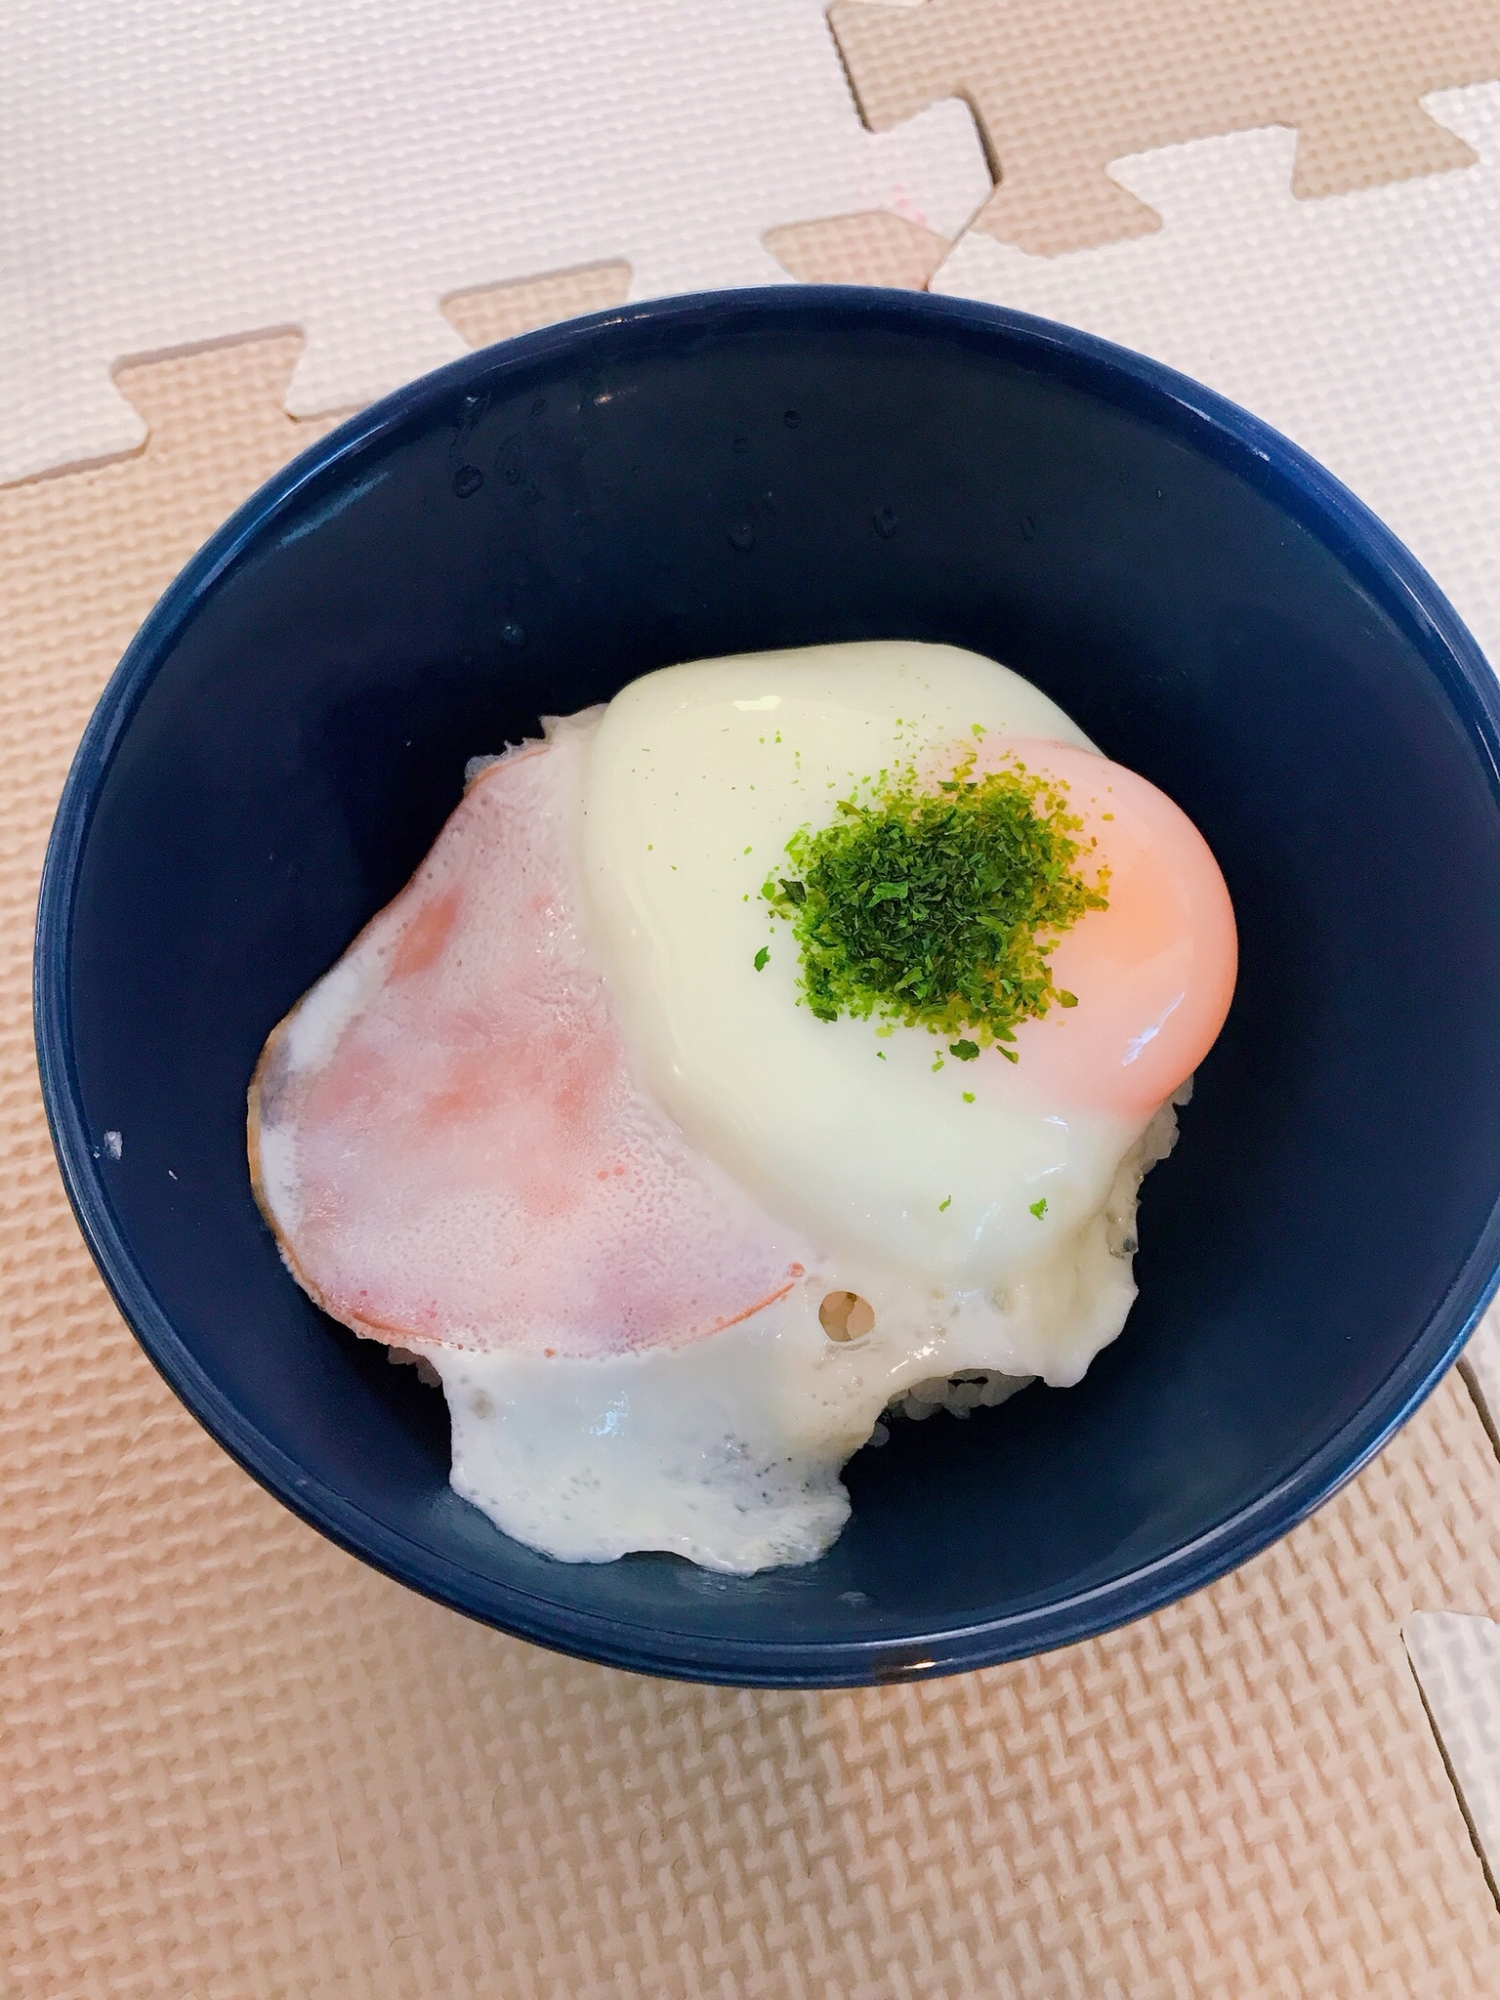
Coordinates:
[238,1764]
[1062,87]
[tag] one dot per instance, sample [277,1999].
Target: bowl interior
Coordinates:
[531,529]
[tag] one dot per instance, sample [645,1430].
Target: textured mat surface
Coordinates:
[1457,1664]
[1063,87]
[239,1764]
[194,170]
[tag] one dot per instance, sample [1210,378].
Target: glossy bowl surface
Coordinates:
[531,528]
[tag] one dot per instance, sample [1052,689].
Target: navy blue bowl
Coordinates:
[531,528]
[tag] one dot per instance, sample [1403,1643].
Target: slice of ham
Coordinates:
[445,1133]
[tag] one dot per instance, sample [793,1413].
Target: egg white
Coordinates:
[727,1450]
[696,778]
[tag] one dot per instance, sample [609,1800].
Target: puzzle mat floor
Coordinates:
[241,1764]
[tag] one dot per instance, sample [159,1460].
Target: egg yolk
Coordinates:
[1154,972]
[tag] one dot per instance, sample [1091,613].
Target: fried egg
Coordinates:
[561,1123]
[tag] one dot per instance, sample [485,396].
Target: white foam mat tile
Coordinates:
[1457,1663]
[181,171]
[1366,326]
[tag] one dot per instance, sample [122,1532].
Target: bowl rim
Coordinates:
[1212,423]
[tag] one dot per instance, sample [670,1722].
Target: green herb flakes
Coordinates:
[1039,1208]
[945,1203]
[761,956]
[968,1097]
[938,905]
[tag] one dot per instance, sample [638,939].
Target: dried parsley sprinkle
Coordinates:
[937,906]
[761,956]
[1039,1208]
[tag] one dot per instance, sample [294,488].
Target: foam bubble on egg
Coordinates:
[562,1124]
